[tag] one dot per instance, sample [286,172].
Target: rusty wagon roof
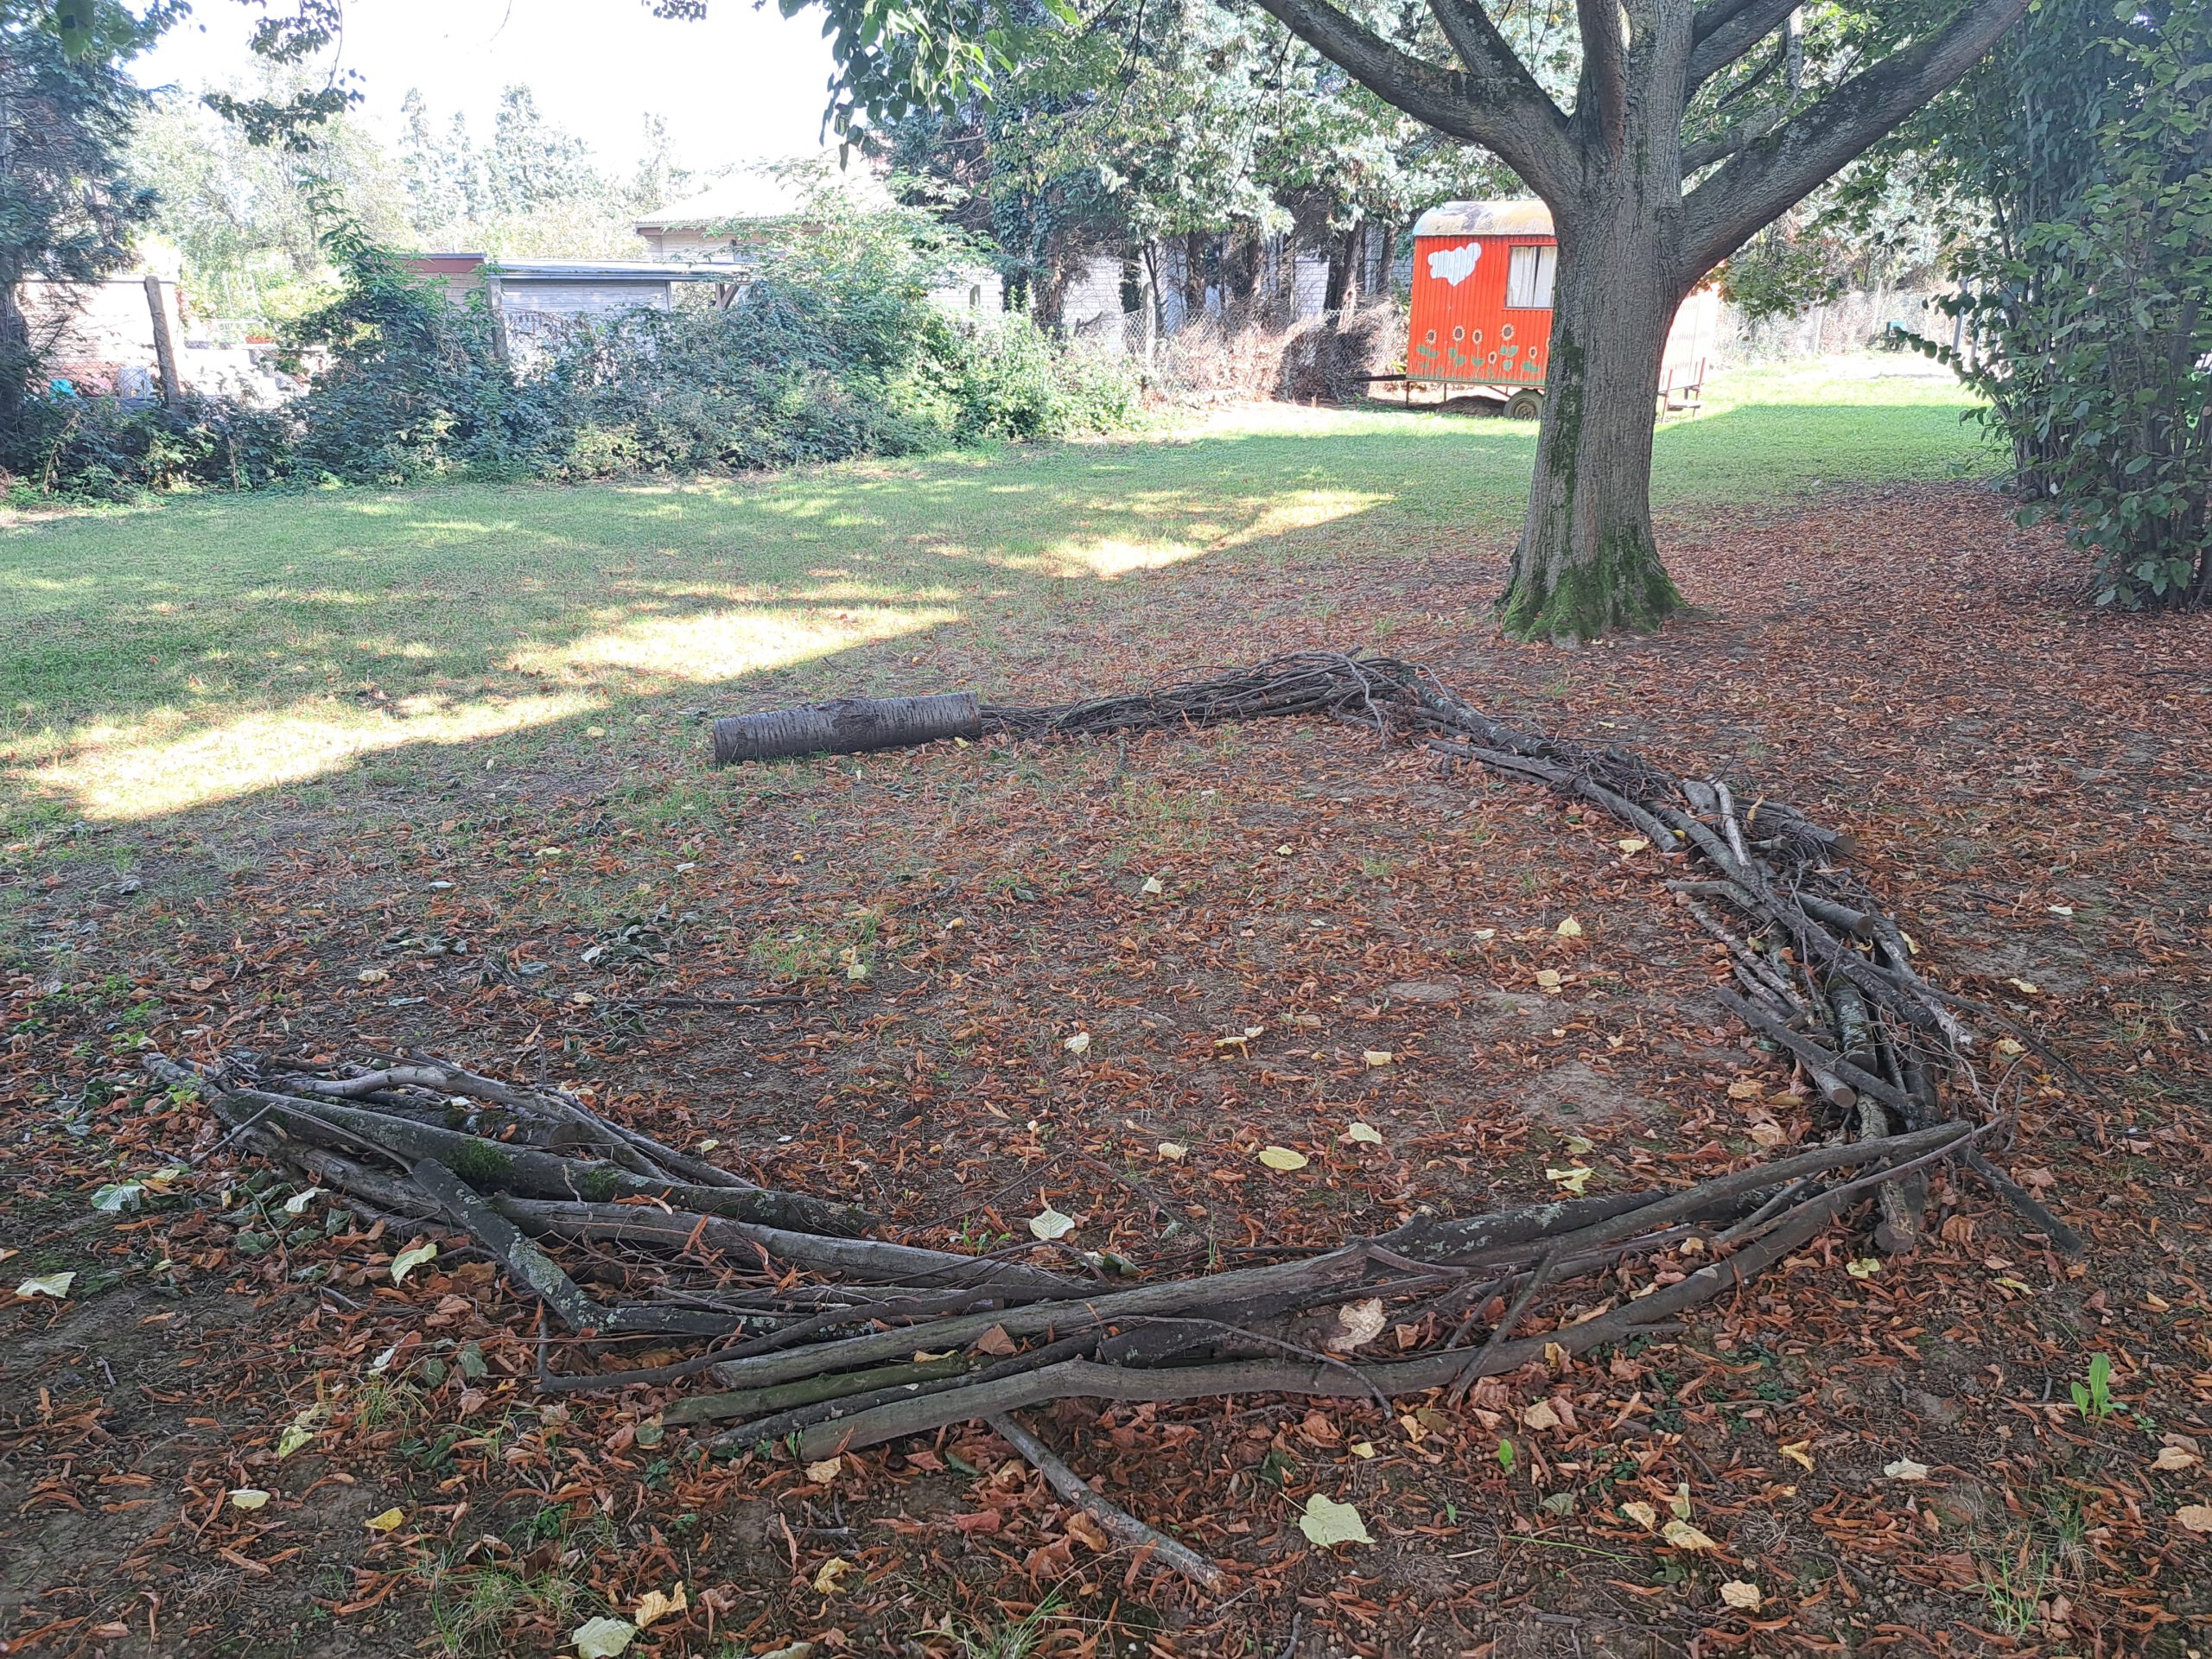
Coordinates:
[1524,218]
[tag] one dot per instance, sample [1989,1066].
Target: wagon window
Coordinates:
[1528,278]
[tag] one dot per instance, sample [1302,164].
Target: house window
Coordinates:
[1528,278]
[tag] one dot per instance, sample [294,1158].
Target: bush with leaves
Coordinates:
[833,350]
[2087,315]
[101,450]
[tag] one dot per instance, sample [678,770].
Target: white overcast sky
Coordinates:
[743,86]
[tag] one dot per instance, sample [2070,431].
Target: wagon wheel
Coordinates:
[1525,405]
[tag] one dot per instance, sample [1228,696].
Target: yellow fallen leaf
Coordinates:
[1746,1089]
[1173,1152]
[1153,887]
[407,1261]
[1570,929]
[1547,978]
[372,976]
[1680,1502]
[602,1638]
[1283,851]
[1282,1158]
[1378,1057]
[1575,1178]
[653,1606]
[388,1522]
[1799,1451]
[1359,1324]
[2026,987]
[1365,1134]
[827,1575]
[1539,1415]
[55,1284]
[2173,1458]
[248,1498]
[823,1473]
[2007,1049]
[1741,1595]
[1632,843]
[1327,1522]
[1050,1224]
[1362,1448]
[1682,1536]
[1864,1267]
[2197,1517]
[1079,1043]
[1905,1468]
[1641,1513]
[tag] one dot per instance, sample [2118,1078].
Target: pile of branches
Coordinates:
[819,1338]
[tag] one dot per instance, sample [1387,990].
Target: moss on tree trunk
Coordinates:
[1587,563]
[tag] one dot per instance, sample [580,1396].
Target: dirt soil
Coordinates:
[1883,1461]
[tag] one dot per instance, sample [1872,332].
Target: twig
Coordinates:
[1117,1522]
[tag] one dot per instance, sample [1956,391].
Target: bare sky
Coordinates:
[743,86]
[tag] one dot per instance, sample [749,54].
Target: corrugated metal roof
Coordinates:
[1524,218]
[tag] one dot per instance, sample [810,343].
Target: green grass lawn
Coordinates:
[204,649]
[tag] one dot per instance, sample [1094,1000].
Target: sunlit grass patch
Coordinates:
[217,647]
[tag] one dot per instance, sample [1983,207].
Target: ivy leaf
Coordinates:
[407,1261]
[1327,1522]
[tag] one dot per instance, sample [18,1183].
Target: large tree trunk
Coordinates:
[1587,562]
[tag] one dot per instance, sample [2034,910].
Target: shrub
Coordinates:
[2089,319]
[833,351]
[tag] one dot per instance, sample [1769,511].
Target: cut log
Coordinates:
[848,725]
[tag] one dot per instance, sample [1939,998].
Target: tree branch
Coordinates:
[1604,86]
[1752,127]
[1733,37]
[1774,173]
[1493,102]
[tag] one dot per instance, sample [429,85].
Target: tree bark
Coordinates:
[1587,560]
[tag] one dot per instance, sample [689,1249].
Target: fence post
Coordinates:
[164,345]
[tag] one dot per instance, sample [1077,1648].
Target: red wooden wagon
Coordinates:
[1482,308]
